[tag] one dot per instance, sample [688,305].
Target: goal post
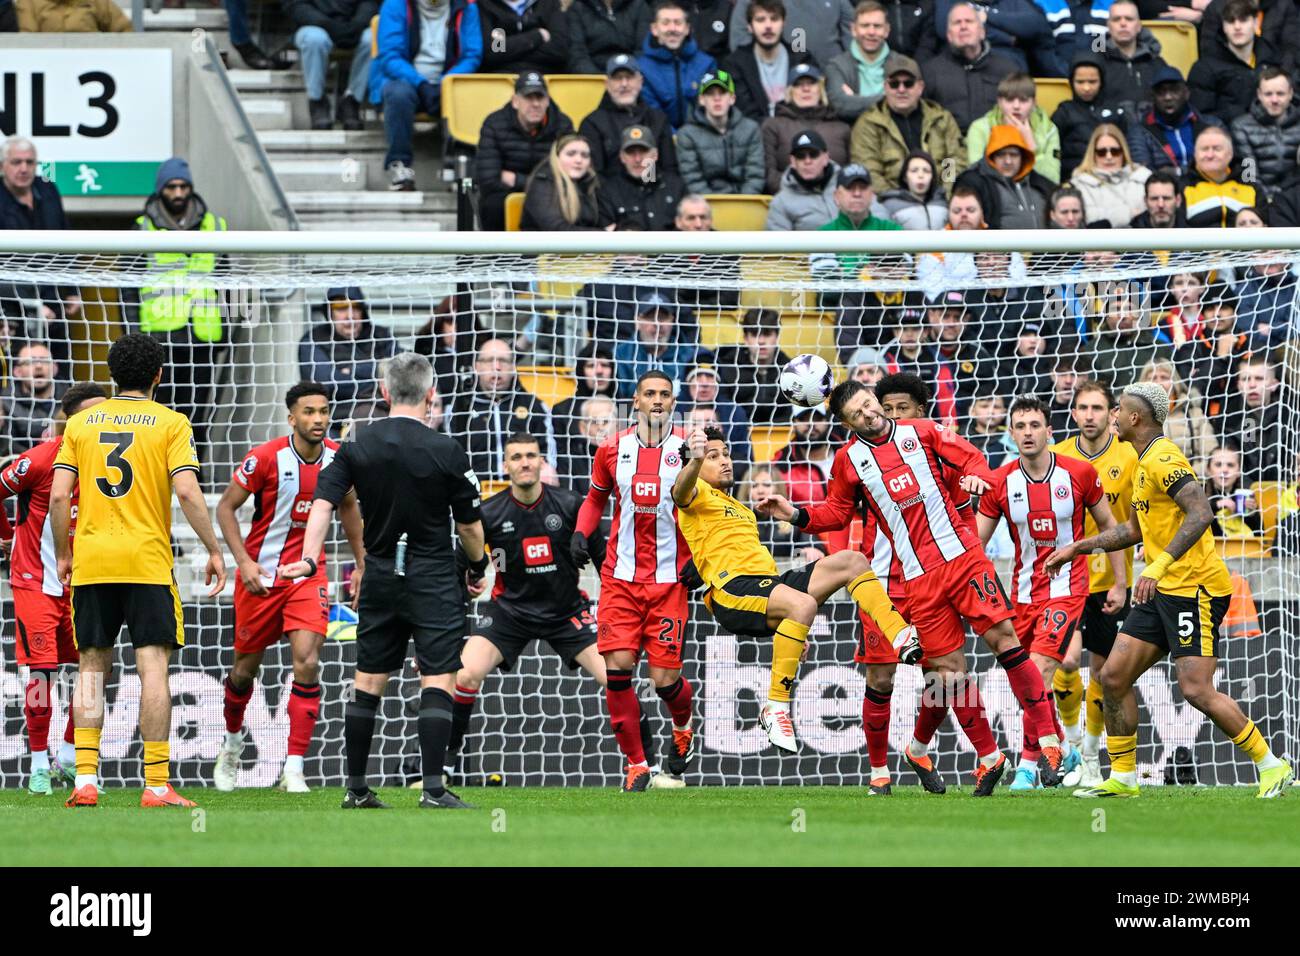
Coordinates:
[983,316]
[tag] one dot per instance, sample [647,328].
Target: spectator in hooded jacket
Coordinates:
[1211,191]
[344,353]
[495,407]
[1223,82]
[562,193]
[919,201]
[762,67]
[963,78]
[1012,193]
[672,64]
[600,29]
[1078,116]
[806,199]
[1132,58]
[821,28]
[1113,186]
[621,107]
[320,26]
[1018,30]
[513,141]
[1164,137]
[1017,106]
[407,72]
[719,150]
[1268,136]
[524,36]
[905,122]
[641,194]
[1278,19]
[805,107]
[1077,25]
[855,80]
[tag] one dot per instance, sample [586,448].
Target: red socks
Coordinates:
[304,709]
[236,701]
[930,714]
[677,696]
[875,725]
[1035,700]
[625,714]
[70,726]
[968,708]
[36,710]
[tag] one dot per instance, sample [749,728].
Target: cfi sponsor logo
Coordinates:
[76,909]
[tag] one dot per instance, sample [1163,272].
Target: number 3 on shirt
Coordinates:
[120,442]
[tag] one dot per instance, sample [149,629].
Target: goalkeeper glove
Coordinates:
[578,550]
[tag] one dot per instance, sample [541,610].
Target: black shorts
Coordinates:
[151,612]
[1099,629]
[740,605]
[1183,626]
[426,605]
[511,636]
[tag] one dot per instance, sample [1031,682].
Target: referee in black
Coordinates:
[409,480]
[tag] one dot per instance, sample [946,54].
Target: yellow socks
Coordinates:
[86,740]
[1251,742]
[787,647]
[157,763]
[869,595]
[1068,686]
[1094,716]
[1123,758]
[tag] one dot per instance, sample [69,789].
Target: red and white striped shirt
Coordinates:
[645,544]
[1044,514]
[282,485]
[904,479]
[33,565]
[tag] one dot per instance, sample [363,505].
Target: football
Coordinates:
[806,380]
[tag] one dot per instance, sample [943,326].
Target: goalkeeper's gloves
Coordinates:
[690,576]
[579,550]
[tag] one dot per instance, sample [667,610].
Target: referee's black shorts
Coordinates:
[427,606]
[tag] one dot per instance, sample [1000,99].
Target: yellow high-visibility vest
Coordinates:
[169,303]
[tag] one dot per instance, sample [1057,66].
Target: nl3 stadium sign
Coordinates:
[101,119]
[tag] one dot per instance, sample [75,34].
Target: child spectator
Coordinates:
[720,150]
[1182,322]
[1013,194]
[919,201]
[1017,106]
[1078,116]
[1236,513]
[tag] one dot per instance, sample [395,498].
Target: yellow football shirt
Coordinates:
[1115,465]
[1162,469]
[125,452]
[723,536]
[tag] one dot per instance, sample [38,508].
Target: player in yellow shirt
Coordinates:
[1178,602]
[1108,599]
[127,455]
[746,594]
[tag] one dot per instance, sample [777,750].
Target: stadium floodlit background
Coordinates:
[522,335]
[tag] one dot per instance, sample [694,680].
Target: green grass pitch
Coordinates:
[710,825]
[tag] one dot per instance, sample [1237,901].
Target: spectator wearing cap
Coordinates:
[918,202]
[824,28]
[1013,194]
[804,108]
[406,74]
[805,464]
[703,389]
[750,372]
[343,353]
[762,67]
[905,122]
[855,79]
[1017,30]
[562,194]
[640,195]
[512,142]
[1131,58]
[720,150]
[656,344]
[594,376]
[602,29]
[1222,80]
[806,198]
[854,198]
[955,363]
[622,106]
[1268,135]
[496,407]
[867,365]
[527,37]
[904,338]
[1164,137]
[963,77]
[672,63]
[1212,193]
[1017,106]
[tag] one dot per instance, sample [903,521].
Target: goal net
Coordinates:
[547,333]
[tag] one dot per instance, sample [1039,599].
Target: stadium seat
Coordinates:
[468,98]
[718,329]
[1051,92]
[491,486]
[551,383]
[767,440]
[1177,42]
[1268,498]
[809,332]
[576,94]
[514,211]
[738,213]
[795,297]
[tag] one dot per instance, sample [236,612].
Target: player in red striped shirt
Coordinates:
[1043,497]
[642,603]
[42,604]
[898,471]
[281,477]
